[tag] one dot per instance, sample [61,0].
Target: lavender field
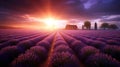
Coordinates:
[64,48]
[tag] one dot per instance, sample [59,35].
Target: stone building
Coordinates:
[71,27]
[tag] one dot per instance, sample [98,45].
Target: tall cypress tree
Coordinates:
[95,26]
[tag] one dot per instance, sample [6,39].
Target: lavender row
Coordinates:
[6,35]
[12,36]
[9,53]
[88,55]
[16,41]
[36,55]
[106,35]
[112,50]
[61,54]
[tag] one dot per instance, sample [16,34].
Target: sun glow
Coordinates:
[47,23]
[50,23]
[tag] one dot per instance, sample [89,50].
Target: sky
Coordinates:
[19,12]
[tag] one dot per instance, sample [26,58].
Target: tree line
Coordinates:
[87,25]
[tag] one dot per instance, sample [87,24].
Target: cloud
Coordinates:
[111,18]
[108,7]
[14,10]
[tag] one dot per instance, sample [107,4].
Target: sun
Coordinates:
[50,23]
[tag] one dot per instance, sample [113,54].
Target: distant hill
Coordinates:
[9,27]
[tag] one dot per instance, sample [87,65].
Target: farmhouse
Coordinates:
[71,27]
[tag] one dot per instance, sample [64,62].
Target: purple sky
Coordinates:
[14,11]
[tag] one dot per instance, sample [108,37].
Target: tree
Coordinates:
[113,26]
[87,24]
[95,26]
[104,25]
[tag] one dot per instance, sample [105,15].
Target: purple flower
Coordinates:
[112,50]
[24,45]
[39,51]
[97,44]
[101,60]
[87,51]
[113,42]
[77,45]
[45,44]
[63,48]
[64,59]
[8,54]
[26,60]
